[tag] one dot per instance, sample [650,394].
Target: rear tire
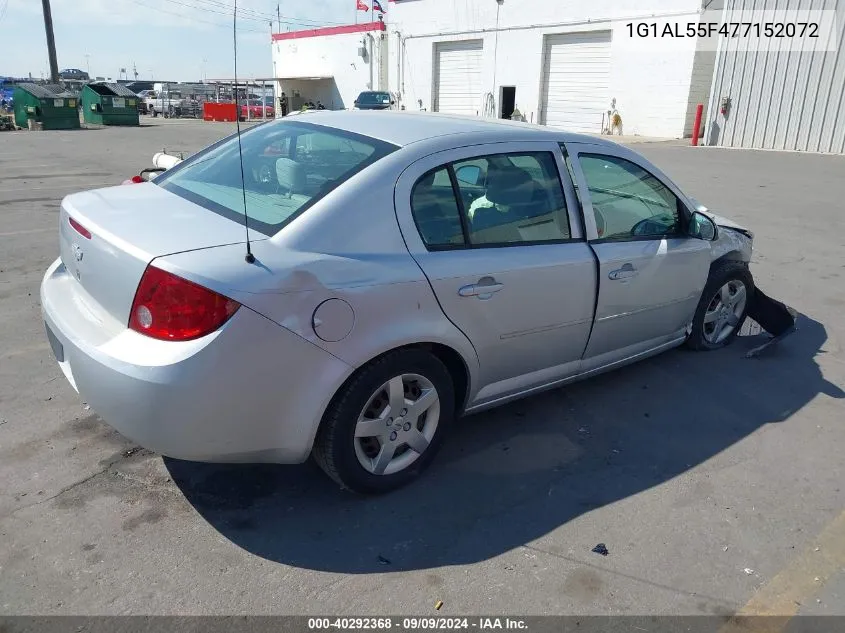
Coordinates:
[364,431]
[722,308]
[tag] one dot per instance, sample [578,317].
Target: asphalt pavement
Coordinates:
[716,483]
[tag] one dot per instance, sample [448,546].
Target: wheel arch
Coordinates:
[731,256]
[454,362]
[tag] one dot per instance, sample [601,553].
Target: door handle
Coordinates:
[484,289]
[626,272]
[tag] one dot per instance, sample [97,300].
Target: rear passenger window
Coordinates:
[436,212]
[513,199]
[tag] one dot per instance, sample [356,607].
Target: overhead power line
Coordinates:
[224,8]
[189,17]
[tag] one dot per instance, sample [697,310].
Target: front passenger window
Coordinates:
[629,202]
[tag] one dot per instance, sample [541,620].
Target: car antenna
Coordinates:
[249,258]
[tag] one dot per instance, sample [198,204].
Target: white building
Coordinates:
[780,95]
[561,62]
[331,65]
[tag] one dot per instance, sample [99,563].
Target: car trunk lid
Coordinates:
[129,226]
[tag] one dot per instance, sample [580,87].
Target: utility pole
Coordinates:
[279,18]
[51,41]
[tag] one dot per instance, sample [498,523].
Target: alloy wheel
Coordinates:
[725,311]
[397,424]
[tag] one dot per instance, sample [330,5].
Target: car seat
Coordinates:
[291,176]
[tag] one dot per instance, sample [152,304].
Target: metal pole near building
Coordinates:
[696,128]
[51,41]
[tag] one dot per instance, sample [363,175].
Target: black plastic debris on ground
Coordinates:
[601,548]
[770,315]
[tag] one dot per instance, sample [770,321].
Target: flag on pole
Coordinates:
[377,6]
[362,6]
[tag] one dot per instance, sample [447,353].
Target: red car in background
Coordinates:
[254,109]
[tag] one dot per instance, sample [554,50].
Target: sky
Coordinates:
[170,40]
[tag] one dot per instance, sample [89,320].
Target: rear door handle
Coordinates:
[626,272]
[484,289]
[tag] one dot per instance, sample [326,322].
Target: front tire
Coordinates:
[722,308]
[386,425]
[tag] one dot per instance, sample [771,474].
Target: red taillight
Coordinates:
[170,308]
[79,228]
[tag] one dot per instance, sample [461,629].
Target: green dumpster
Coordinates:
[51,106]
[109,104]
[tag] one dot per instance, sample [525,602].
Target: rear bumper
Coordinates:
[250,392]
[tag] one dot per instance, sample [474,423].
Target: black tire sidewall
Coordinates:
[719,276]
[348,406]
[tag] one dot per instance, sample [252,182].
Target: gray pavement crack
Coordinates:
[639,579]
[70,487]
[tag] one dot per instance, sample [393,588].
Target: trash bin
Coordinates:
[50,106]
[109,104]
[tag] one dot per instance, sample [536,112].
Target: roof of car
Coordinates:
[403,127]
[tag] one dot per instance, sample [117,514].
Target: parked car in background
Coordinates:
[255,109]
[168,103]
[403,270]
[374,100]
[143,95]
[74,74]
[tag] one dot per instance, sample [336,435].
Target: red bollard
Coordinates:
[696,129]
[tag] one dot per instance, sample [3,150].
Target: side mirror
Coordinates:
[702,227]
[468,174]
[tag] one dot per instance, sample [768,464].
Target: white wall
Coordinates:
[652,88]
[297,61]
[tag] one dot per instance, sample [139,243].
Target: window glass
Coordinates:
[435,210]
[513,198]
[287,166]
[627,200]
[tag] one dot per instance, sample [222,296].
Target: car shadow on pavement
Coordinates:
[509,476]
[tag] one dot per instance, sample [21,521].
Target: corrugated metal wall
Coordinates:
[781,98]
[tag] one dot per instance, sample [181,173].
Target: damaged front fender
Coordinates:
[733,239]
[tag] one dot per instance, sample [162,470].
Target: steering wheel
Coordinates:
[265,174]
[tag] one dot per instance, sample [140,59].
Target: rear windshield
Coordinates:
[287,167]
[374,98]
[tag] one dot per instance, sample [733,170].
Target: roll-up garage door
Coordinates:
[576,80]
[458,77]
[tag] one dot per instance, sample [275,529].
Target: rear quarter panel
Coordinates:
[347,246]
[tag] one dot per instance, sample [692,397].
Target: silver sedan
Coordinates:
[345,284]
